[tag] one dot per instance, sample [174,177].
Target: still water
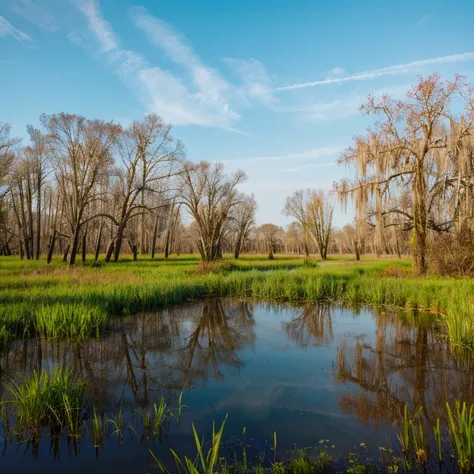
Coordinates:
[305,372]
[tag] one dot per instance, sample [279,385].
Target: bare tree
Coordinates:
[150,158]
[242,218]
[314,212]
[81,158]
[209,195]
[272,235]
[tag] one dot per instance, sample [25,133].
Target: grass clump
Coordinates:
[45,399]
[72,321]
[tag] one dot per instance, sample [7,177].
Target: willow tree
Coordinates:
[209,195]
[407,162]
[314,212]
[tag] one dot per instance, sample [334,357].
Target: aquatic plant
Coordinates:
[461,432]
[98,428]
[45,399]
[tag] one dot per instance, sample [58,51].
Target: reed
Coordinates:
[461,432]
[45,399]
[98,428]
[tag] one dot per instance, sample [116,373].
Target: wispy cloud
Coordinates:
[387,71]
[36,13]
[7,29]
[297,169]
[321,152]
[98,26]
[346,106]
[256,83]
[202,96]
[75,37]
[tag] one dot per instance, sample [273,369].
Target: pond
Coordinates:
[306,372]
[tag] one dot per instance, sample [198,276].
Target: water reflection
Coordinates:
[143,356]
[307,372]
[313,327]
[401,365]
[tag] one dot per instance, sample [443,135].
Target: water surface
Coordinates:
[307,372]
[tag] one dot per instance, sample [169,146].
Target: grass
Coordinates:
[58,301]
[45,399]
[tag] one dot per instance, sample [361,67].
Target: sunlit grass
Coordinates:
[59,301]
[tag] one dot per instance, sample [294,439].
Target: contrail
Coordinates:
[386,71]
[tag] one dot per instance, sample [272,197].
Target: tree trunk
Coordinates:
[66,252]
[420,222]
[52,241]
[110,250]
[97,246]
[153,240]
[38,218]
[84,246]
[118,245]
[75,246]
[270,252]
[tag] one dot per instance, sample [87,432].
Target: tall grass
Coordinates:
[461,432]
[45,399]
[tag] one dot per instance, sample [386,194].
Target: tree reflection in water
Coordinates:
[406,364]
[144,356]
[313,327]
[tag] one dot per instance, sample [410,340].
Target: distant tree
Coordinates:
[209,195]
[314,212]
[272,236]
[242,218]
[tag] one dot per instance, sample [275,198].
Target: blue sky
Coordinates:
[270,87]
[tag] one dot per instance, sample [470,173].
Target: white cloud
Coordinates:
[336,71]
[98,26]
[256,82]
[297,169]
[75,37]
[206,100]
[345,107]
[7,29]
[387,71]
[36,13]
[321,152]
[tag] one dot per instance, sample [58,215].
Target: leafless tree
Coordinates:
[150,158]
[272,235]
[242,218]
[314,212]
[81,159]
[209,195]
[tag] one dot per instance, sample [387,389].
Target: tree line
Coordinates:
[88,186]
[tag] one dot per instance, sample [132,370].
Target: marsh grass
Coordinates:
[45,399]
[57,301]
[98,428]
[461,432]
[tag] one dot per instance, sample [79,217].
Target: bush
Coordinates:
[453,254]
[215,267]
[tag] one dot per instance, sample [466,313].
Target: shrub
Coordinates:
[453,254]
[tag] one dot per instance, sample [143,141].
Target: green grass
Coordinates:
[59,301]
[45,399]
